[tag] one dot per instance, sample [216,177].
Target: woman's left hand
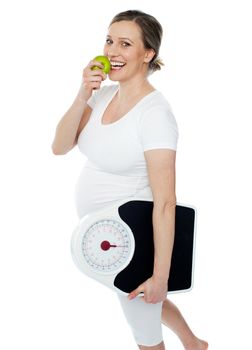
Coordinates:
[154,290]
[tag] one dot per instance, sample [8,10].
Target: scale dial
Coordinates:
[107,246]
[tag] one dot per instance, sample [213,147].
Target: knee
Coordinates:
[165,303]
[160,346]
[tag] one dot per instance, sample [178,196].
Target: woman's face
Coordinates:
[125,50]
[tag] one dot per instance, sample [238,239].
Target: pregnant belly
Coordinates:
[95,189]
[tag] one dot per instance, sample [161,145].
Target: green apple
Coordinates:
[106,64]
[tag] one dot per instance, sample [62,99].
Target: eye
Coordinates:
[109,41]
[125,44]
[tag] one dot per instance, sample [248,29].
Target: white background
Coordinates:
[46,303]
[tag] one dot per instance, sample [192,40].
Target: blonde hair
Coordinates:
[156,64]
[152,33]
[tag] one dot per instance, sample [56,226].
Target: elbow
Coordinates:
[164,205]
[171,203]
[61,149]
[57,151]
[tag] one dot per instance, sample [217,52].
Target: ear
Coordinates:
[149,54]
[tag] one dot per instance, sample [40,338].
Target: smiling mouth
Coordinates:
[117,65]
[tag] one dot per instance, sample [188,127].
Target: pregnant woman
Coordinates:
[129,135]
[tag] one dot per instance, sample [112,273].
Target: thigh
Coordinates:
[144,319]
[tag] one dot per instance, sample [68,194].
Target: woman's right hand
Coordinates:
[91,80]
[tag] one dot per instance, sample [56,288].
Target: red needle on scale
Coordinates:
[105,245]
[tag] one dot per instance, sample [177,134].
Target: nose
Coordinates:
[112,50]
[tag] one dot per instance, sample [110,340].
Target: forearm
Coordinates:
[66,129]
[164,232]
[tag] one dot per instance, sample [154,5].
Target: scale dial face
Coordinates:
[107,246]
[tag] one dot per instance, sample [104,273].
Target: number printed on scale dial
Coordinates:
[106,245]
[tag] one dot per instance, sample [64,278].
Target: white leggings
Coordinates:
[145,320]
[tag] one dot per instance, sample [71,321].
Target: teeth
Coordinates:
[117,64]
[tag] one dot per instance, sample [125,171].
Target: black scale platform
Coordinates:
[138,216]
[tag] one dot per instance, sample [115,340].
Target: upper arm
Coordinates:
[161,166]
[159,136]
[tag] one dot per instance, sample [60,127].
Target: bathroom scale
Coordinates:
[115,246]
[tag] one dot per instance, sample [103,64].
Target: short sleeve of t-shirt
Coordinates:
[99,94]
[158,129]
[91,101]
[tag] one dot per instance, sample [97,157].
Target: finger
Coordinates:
[132,295]
[97,70]
[99,73]
[95,63]
[147,300]
[88,72]
[95,86]
[95,78]
[96,74]
[135,293]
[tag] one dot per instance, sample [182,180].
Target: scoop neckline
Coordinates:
[126,114]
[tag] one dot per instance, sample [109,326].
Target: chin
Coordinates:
[114,78]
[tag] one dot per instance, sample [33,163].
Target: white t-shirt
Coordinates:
[115,167]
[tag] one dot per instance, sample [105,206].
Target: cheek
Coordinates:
[128,56]
[132,56]
[137,56]
[105,50]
